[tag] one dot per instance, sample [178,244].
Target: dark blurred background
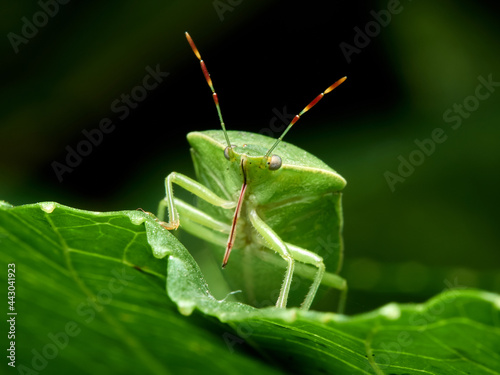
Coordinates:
[433,227]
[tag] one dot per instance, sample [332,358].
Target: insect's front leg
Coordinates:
[193,187]
[332,280]
[276,243]
[292,253]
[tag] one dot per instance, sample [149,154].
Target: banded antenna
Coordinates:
[209,81]
[307,108]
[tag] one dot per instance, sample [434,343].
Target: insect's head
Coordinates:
[252,153]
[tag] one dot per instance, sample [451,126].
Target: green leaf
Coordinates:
[90,296]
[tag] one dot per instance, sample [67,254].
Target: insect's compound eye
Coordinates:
[226,152]
[274,163]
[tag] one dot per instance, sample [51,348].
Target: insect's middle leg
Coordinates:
[193,187]
[202,225]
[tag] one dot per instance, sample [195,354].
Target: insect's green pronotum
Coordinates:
[259,204]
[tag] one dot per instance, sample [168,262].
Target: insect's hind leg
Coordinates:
[193,187]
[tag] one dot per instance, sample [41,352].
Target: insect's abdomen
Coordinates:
[313,223]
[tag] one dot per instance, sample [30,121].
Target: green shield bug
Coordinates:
[260,204]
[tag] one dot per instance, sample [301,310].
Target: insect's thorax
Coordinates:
[301,175]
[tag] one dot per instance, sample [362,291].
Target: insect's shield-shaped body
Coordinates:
[301,202]
[271,209]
